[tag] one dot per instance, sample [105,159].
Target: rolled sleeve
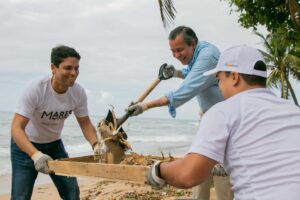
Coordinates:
[171,107]
[185,72]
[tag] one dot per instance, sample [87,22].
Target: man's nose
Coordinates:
[176,54]
[74,72]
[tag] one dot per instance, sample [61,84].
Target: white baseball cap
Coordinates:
[242,59]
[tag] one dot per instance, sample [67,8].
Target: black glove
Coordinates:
[166,71]
[153,176]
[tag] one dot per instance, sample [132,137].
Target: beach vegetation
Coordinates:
[283,61]
[281,19]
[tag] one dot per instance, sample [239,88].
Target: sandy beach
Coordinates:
[98,188]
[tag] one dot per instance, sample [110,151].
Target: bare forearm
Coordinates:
[19,136]
[187,172]
[90,134]
[88,129]
[163,101]
[23,143]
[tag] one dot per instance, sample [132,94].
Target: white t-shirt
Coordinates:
[47,110]
[256,135]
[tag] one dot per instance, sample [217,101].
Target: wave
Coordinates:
[5,167]
[160,138]
[79,149]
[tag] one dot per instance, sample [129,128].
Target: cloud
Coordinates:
[122,44]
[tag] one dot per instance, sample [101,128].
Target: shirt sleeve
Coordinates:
[28,101]
[185,71]
[81,109]
[194,83]
[212,136]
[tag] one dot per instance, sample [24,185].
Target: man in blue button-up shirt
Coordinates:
[199,57]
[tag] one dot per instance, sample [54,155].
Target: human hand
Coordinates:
[166,72]
[41,162]
[153,176]
[136,109]
[99,148]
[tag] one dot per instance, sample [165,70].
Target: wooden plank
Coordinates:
[89,159]
[86,166]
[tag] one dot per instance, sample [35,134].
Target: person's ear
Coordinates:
[235,78]
[53,68]
[193,44]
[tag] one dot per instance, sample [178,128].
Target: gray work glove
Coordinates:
[41,162]
[218,170]
[136,109]
[166,72]
[153,176]
[99,148]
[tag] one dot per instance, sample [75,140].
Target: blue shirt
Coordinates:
[205,88]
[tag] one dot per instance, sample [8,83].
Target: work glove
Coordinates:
[99,148]
[136,109]
[166,72]
[218,170]
[41,162]
[153,176]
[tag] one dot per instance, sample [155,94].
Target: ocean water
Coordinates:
[147,136]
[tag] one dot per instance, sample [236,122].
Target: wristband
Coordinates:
[157,170]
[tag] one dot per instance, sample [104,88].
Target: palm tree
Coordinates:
[167,12]
[282,61]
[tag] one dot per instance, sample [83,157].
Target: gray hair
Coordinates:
[189,36]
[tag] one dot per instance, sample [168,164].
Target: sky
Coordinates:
[122,44]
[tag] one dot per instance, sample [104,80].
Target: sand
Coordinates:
[97,188]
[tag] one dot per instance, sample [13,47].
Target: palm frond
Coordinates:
[167,12]
[292,60]
[273,80]
[268,57]
[265,39]
[294,65]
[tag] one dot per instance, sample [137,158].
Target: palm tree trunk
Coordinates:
[283,95]
[289,86]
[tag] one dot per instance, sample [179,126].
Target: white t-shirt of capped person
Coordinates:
[47,110]
[256,135]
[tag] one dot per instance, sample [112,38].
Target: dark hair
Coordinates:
[252,79]
[59,53]
[187,33]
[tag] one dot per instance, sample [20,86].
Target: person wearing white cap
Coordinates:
[253,132]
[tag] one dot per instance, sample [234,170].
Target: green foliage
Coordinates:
[269,13]
[281,61]
[282,15]
[281,18]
